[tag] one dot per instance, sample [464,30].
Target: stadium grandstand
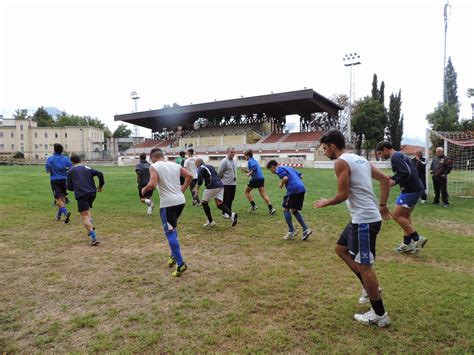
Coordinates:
[257,123]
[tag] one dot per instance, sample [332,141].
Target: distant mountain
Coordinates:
[53,111]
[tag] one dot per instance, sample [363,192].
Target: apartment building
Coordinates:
[37,142]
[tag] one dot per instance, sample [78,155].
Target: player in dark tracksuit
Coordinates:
[411,190]
[143,176]
[80,179]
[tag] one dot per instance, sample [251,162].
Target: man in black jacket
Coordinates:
[420,163]
[441,166]
[80,179]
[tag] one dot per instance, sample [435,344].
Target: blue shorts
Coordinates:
[360,241]
[408,199]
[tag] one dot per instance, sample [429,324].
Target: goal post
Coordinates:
[458,146]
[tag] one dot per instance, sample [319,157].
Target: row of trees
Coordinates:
[44,119]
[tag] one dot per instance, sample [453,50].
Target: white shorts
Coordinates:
[209,194]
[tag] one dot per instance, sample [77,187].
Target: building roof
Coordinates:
[300,102]
[411,149]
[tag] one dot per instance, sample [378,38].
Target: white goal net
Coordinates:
[458,146]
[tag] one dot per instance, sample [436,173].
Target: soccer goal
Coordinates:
[459,146]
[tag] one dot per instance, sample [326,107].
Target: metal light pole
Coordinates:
[350,60]
[134,96]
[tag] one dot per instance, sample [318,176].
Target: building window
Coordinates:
[1,134]
[21,127]
[13,146]
[65,146]
[45,134]
[45,147]
[1,147]
[65,135]
[12,134]
[36,134]
[36,146]
[21,136]
[55,135]
[36,156]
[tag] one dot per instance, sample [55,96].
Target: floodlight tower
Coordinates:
[134,96]
[447,8]
[350,60]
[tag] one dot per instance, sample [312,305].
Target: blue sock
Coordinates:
[406,239]
[92,235]
[63,211]
[172,237]
[300,220]
[287,215]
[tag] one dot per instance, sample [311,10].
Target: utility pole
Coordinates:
[350,60]
[134,96]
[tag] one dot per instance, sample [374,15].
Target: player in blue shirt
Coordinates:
[294,198]
[257,181]
[80,179]
[411,190]
[57,166]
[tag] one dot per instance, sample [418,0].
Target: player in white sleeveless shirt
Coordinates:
[165,177]
[356,245]
[190,165]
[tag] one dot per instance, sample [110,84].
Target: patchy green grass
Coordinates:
[246,289]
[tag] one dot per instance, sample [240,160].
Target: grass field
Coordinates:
[246,289]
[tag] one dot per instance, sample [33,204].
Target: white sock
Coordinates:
[148,201]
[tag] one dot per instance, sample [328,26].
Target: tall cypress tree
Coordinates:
[375,90]
[395,120]
[382,92]
[451,85]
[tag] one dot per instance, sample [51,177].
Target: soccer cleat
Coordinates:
[209,224]
[253,209]
[364,297]
[68,218]
[272,212]
[290,235]
[225,216]
[420,243]
[179,270]
[233,219]
[171,261]
[306,234]
[406,248]
[94,242]
[371,318]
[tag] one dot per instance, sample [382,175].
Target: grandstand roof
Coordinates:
[298,102]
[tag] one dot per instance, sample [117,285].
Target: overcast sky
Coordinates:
[85,57]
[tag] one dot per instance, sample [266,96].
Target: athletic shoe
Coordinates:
[420,243]
[290,235]
[406,248]
[253,209]
[233,218]
[446,205]
[198,204]
[423,201]
[371,318]
[149,210]
[209,224]
[306,234]
[364,297]
[68,218]
[94,242]
[272,212]
[225,216]
[171,261]
[179,270]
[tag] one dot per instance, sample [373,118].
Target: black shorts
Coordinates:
[59,188]
[169,216]
[85,202]
[255,184]
[360,240]
[148,194]
[293,201]
[192,184]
